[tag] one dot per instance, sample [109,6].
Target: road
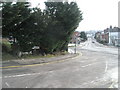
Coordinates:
[97,67]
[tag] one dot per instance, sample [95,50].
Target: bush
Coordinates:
[103,42]
[7,56]
[6,46]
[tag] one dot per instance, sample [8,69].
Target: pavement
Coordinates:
[38,61]
[97,67]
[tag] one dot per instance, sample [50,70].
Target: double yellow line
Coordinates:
[52,62]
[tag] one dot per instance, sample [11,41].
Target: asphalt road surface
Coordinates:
[97,67]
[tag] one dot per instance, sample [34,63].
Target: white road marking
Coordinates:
[51,71]
[92,81]
[81,61]
[7,84]
[70,50]
[88,65]
[106,66]
[21,75]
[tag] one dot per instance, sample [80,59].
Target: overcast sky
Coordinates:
[97,14]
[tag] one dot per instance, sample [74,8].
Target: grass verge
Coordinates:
[6,56]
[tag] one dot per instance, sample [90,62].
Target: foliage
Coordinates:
[6,46]
[83,35]
[103,42]
[65,19]
[49,29]
[13,15]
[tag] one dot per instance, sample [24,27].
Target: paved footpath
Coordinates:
[28,62]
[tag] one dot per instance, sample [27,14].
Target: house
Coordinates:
[109,36]
[102,36]
[114,36]
[106,33]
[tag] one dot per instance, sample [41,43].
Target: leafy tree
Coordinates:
[14,15]
[49,29]
[65,18]
[83,35]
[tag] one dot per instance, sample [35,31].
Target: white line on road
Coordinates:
[21,75]
[7,84]
[81,61]
[88,65]
[106,66]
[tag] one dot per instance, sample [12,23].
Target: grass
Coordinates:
[6,56]
[71,46]
[36,56]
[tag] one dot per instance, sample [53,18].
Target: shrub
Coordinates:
[6,46]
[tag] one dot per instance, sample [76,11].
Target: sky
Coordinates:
[97,14]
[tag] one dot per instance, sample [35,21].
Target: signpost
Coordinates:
[75,44]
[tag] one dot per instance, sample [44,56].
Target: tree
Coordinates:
[65,19]
[14,15]
[49,29]
[83,35]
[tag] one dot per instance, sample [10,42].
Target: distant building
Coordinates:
[113,36]
[109,36]
[102,36]
[106,32]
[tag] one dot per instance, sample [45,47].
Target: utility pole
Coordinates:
[110,30]
[75,44]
